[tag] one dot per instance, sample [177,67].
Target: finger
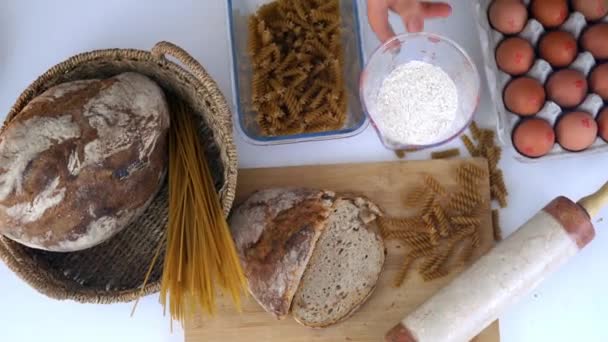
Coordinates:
[436,9]
[378,20]
[413,23]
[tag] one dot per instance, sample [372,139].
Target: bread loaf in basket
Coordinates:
[114,270]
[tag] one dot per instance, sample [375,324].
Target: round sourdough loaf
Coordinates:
[275,232]
[81,161]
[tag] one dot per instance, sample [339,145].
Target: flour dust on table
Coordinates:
[417,104]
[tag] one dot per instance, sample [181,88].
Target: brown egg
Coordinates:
[595,40]
[515,56]
[567,88]
[533,137]
[576,131]
[591,9]
[550,13]
[524,96]
[602,122]
[508,16]
[599,81]
[559,48]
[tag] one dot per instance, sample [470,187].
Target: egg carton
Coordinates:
[541,70]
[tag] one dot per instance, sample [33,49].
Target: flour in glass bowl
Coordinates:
[417,104]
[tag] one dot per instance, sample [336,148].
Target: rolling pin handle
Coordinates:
[595,202]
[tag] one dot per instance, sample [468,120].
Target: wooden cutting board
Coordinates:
[384,183]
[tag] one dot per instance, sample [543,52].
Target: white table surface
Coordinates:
[36,34]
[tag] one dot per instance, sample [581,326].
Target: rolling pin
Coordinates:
[508,272]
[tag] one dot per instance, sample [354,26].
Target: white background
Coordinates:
[34,35]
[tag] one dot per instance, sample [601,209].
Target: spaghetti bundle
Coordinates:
[200,252]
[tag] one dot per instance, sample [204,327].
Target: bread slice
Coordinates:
[344,268]
[275,232]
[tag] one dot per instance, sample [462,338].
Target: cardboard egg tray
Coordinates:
[541,70]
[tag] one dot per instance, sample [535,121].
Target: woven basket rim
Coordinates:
[196,77]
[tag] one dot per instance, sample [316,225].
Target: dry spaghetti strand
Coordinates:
[200,253]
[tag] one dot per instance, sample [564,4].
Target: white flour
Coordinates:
[417,104]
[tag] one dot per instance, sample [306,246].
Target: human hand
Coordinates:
[412,12]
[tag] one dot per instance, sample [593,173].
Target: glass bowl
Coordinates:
[435,50]
[241,75]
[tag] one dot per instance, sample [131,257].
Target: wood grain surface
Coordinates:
[384,183]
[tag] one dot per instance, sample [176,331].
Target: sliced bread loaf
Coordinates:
[275,232]
[344,268]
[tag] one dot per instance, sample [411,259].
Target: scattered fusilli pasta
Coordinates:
[442,221]
[453,152]
[475,131]
[496,226]
[469,146]
[434,185]
[414,198]
[448,224]
[461,203]
[465,221]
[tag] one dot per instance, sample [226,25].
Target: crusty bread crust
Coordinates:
[81,161]
[275,232]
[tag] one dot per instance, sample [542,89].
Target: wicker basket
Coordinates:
[114,271]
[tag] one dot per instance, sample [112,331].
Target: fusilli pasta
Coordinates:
[297,63]
[496,226]
[453,152]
